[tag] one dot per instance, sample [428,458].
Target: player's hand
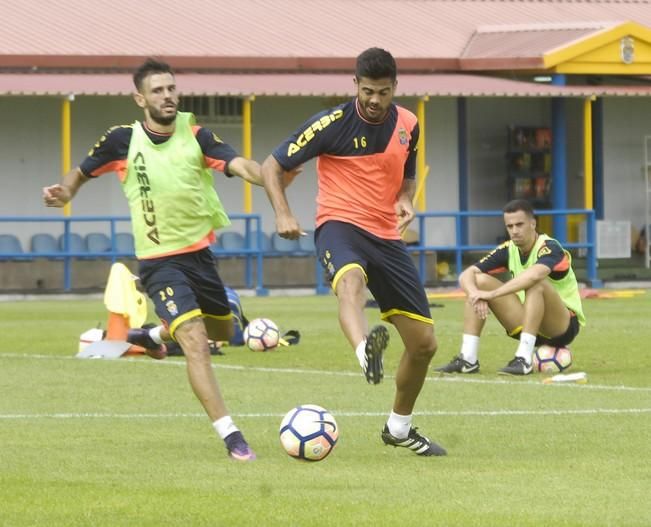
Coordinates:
[288,227]
[480,307]
[405,213]
[56,195]
[289,175]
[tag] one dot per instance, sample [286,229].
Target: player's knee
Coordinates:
[487,282]
[351,283]
[425,348]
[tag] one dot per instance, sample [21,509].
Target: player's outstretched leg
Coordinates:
[376,342]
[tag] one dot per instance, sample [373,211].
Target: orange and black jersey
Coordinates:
[550,254]
[341,131]
[109,154]
[361,165]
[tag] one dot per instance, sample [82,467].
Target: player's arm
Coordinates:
[289,157]
[287,225]
[550,258]
[61,193]
[468,280]
[247,169]
[522,282]
[405,204]
[405,200]
[494,262]
[107,155]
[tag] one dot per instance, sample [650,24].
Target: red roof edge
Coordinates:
[502,64]
[207,63]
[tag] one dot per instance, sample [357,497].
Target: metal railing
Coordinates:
[253,251]
[252,226]
[460,218]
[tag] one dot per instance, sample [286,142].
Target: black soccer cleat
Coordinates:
[376,342]
[517,366]
[459,365]
[420,444]
[140,337]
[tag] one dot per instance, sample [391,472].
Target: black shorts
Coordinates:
[184,286]
[561,341]
[391,275]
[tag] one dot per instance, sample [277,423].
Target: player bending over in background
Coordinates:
[539,305]
[366,153]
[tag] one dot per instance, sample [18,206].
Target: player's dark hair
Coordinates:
[376,63]
[519,205]
[150,67]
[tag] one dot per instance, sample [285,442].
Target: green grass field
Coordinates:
[124,442]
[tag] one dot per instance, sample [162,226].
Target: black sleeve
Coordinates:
[496,261]
[410,164]
[110,149]
[216,153]
[310,139]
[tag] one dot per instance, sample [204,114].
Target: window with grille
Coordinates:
[219,110]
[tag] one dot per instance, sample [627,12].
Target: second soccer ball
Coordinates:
[261,334]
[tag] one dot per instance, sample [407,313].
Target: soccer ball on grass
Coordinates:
[549,359]
[261,334]
[308,432]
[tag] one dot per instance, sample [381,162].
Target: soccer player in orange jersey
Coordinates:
[366,154]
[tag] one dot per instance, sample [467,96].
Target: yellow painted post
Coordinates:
[246,149]
[575,220]
[421,168]
[587,151]
[66,142]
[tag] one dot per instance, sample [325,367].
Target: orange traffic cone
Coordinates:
[117,328]
[127,307]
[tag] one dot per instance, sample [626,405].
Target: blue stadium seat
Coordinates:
[9,244]
[124,243]
[231,241]
[306,243]
[266,241]
[97,242]
[43,243]
[283,245]
[75,241]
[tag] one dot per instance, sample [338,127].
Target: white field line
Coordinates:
[301,371]
[433,413]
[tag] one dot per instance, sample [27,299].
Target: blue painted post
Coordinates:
[598,157]
[67,260]
[559,162]
[462,160]
[460,243]
[261,290]
[592,250]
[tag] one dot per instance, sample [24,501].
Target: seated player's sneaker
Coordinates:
[140,337]
[238,448]
[459,365]
[420,444]
[517,366]
[376,342]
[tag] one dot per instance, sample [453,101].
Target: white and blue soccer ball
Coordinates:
[261,334]
[308,432]
[550,359]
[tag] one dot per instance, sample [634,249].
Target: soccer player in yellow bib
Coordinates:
[540,304]
[165,165]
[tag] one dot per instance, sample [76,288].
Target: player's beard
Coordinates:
[159,118]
